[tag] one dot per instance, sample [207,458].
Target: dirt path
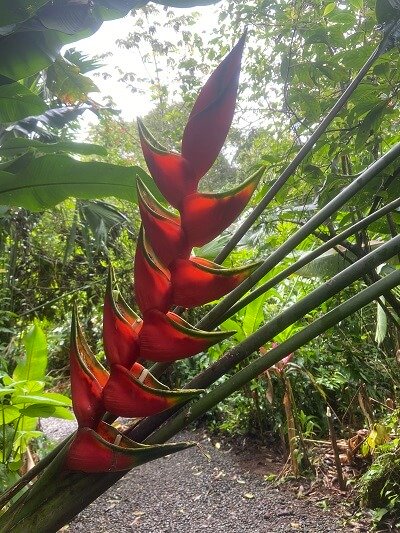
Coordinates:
[207,488]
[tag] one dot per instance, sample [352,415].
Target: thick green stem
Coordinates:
[277,325]
[53,500]
[306,259]
[213,318]
[255,341]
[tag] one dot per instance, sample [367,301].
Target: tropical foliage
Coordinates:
[324,94]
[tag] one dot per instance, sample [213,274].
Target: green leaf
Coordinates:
[331,263]
[27,424]
[17,102]
[56,396]
[40,399]
[13,11]
[254,315]
[69,17]
[50,179]
[27,387]
[327,264]
[357,4]
[329,8]
[33,365]
[24,53]
[213,248]
[19,144]
[23,56]
[381,324]
[8,413]
[7,478]
[66,82]
[5,391]
[370,124]
[23,438]
[233,325]
[45,411]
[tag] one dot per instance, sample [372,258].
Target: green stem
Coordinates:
[233,302]
[213,318]
[291,315]
[32,473]
[306,259]
[255,341]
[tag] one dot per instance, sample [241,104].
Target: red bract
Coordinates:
[164,274]
[125,395]
[170,171]
[108,450]
[121,327]
[152,280]
[205,216]
[196,283]
[163,229]
[87,380]
[212,114]
[167,337]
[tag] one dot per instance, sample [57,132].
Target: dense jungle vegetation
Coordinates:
[61,226]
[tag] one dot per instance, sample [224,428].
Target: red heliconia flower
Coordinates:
[121,327]
[163,229]
[212,114]
[170,171]
[88,378]
[167,337]
[204,216]
[125,395]
[196,281]
[108,450]
[152,280]
[164,274]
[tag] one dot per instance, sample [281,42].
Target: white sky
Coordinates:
[104,41]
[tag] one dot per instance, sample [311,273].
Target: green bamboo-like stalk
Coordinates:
[213,318]
[32,473]
[279,323]
[314,299]
[222,310]
[307,258]
[383,46]
[255,341]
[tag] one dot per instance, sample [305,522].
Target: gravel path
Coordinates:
[209,487]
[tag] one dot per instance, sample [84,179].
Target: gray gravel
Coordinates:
[199,489]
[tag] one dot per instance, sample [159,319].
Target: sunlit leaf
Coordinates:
[34,363]
[50,179]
